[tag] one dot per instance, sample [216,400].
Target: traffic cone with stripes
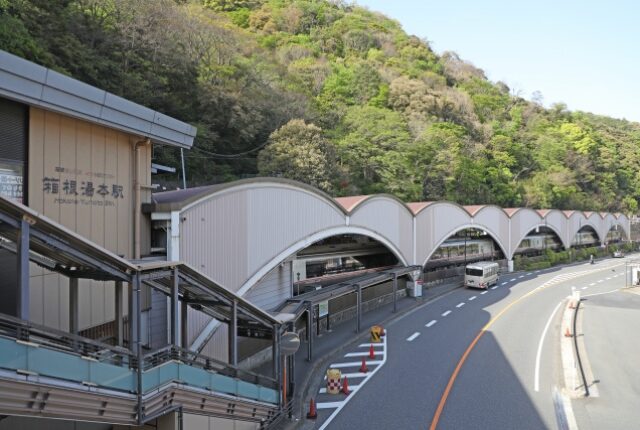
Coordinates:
[345,386]
[313,414]
[567,333]
[372,355]
[363,366]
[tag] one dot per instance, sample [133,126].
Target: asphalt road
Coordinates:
[495,386]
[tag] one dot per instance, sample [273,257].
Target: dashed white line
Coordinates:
[413,336]
[584,288]
[592,284]
[459,305]
[444,314]
[529,274]
[472,298]
[494,287]
[608,279]
[521,276]
[430,323]
[504,283]
[600,281]
[484,292]
[512,279]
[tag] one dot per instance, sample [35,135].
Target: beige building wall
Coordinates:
[65,152]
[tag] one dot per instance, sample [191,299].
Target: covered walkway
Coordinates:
[114,383]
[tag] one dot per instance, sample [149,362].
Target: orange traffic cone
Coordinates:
[363,367]
[567,333]
[371,353]
[345,386]
[313,414]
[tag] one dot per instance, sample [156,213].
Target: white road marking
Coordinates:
[494,287]
[592,284]
[430,323]
[363,354]
[504,283]
[339,405]
[472,298]
[324,390]
[354,364]
[367,345]
[608,279]
[444,314]
[599,294]
[484,292]
[413,336]
[521,276]
[584,288]
[537,271]
[512,279]
[329,405]
[600,281]
[351,375]
[529,274]
[459,305]
[536,378]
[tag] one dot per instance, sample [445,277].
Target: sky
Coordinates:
[581,53]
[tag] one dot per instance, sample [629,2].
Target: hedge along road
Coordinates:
[426,377]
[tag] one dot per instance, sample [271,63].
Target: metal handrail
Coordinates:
[575,342]
[172,352]
[28,331]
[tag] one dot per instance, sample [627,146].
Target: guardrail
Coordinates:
[31,349]
[575,344]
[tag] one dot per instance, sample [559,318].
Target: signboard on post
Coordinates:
[323,309]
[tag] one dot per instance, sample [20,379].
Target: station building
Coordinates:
[82,339]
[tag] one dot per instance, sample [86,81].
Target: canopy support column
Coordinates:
[358,308]
[184,334]
[119,313]
[233,334]
[73,305]
[175,322]
[395,293]
[309,331]
[22,310]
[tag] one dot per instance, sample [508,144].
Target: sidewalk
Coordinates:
[341,337]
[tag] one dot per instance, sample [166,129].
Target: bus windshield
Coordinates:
[474,272]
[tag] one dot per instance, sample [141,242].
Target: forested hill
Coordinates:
[334,95]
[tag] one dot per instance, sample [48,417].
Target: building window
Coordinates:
[13,149]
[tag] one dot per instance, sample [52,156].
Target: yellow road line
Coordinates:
[454,375]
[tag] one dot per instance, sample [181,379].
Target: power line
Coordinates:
[239,154]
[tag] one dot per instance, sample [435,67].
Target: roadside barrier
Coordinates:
[333,381]
[376,333]
[363,366]
[313,413]
[345,386]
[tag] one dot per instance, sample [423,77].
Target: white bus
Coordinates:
[481,275]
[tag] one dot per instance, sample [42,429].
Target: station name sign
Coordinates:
[74,186]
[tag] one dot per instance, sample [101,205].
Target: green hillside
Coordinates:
[330,94]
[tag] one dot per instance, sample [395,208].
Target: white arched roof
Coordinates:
[237,232]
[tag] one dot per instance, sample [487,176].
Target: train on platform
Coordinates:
[458,251]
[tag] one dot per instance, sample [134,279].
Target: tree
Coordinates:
[299,151]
